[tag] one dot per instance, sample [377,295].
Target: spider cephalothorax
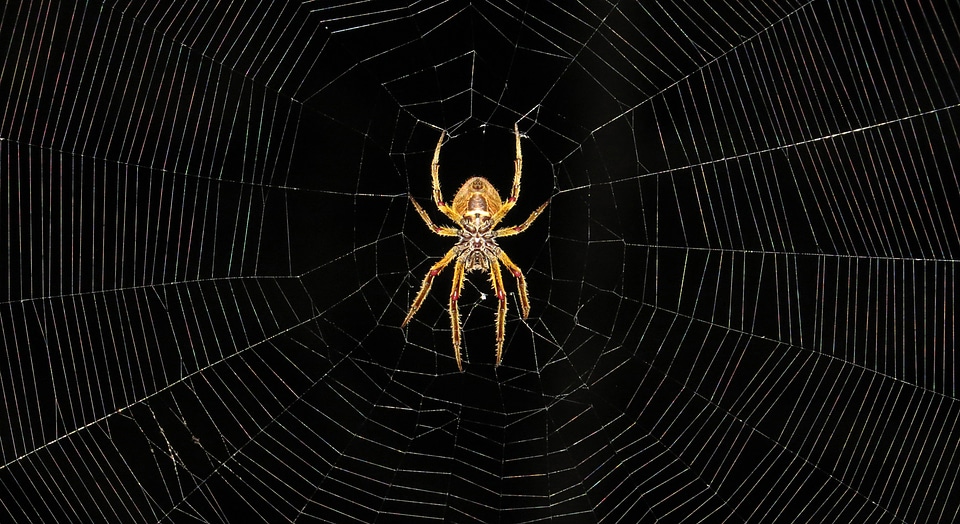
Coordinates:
[477,209]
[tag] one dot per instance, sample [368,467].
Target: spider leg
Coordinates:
[458,272]
[435,172]
[521,283]
[427,282]
[442,231]
[510,231]
[497,279]
[515,189]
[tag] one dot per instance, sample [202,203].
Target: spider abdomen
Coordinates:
[477,197]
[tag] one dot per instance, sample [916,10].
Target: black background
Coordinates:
[742,290]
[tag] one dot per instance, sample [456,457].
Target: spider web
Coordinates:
[742,292]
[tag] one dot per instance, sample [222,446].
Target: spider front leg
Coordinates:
[521,283]
[497,279]
[458,272]
[427,282]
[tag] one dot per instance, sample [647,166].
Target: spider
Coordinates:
[477,209]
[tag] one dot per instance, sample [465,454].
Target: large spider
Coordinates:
[477,209]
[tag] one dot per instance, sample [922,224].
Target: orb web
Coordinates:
[742,292]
